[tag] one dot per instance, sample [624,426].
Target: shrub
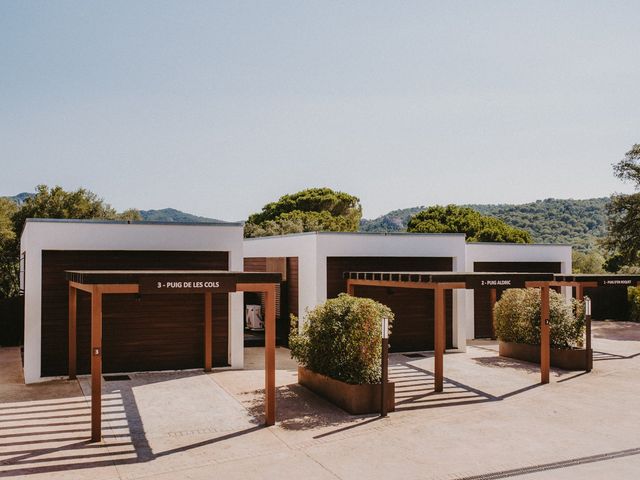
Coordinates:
[517,318]
[634,303]
[341,339]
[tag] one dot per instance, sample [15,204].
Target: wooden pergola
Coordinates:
[582,281]
[439,282]
[152,282]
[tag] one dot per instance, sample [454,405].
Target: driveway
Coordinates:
[492,421]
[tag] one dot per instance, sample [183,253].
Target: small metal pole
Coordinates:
[587,321]
[385,367]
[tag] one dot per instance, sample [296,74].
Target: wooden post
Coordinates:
[493,295]
[545,345]
[208,331]
[350,288]
[579,292]
[270,355]
[73,294]
[96,364]
[439,338]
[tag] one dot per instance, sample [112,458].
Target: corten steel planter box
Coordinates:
[567,359]
[355,399]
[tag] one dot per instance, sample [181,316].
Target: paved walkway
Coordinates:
[492,421]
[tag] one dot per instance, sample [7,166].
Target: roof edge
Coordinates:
[132,222]
[379,234]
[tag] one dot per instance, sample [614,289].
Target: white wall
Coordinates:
[39,235]
[303,246]
[512,252]
[312,250]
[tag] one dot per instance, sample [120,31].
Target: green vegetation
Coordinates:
[394,221]
[161,215]
[623,237]
[517,318]
[45,203]
[173,215]
[477,227]
[633,295]
[315,209]
[341,339]
[591,262]
[580,223]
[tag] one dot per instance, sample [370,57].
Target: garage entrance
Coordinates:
[99,283]
[413,308]
[485,299]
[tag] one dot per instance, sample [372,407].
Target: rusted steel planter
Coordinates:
[567,359]
[355,399]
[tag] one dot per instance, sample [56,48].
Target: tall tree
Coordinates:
[623,215]
[46,203]
[9,268]
[314,209]
[477,227]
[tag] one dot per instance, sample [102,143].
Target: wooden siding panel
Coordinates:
[150,332]
[483,325]
[255,264]
[413,308]
[292,286]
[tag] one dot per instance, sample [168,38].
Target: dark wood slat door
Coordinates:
[141,333]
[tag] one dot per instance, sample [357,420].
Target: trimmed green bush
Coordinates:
[341,339]
[517,318]
[634,303]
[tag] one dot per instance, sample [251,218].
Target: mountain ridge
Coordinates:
[152,215]
[580,223]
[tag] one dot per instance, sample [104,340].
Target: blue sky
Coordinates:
[216,108]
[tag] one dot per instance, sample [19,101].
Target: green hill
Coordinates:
[162,215]
[576,222]
[173,215]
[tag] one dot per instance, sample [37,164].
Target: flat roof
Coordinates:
[132,222]
[494,279]
[603,279]
[114,277]
[379,234]
[470,279]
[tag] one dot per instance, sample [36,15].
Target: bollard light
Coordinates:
[587,318]
[385,366]
[385,327]
[587,306]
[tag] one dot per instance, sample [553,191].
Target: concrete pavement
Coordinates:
[492,421]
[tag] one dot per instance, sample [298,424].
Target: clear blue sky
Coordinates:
[216,108]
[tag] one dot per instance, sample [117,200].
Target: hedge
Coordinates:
[342,339]
[517,318]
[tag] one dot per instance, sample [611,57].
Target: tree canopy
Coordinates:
[314,209]
[588,262]
[46,203]
[477,227]
[623,215]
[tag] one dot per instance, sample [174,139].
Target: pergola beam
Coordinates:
[98,290]
[440,317]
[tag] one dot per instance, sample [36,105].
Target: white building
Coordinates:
[164,332]
[322,258]
[50,247]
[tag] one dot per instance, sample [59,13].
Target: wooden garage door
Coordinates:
[483,325]
[413,308]
[140,333]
